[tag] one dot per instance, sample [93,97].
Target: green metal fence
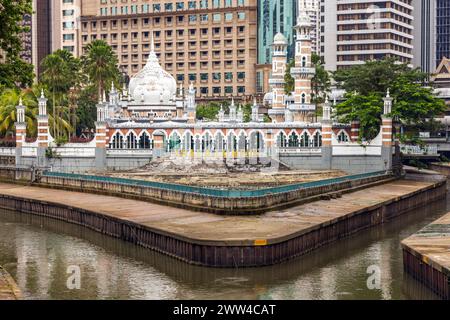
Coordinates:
[229,193]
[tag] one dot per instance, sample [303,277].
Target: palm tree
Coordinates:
[63,125]
[9,99]
[100,64]
[55,77]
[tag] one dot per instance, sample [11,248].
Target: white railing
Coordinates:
[418,150]
[7,151]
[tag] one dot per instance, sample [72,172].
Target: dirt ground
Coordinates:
[218,175]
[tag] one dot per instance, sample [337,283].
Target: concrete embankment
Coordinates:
[228,241]
[229,202]
[442,168]
[426,256]
[8,287]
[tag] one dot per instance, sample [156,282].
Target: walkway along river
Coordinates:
[38,251]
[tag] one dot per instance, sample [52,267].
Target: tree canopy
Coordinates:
[72,86]
[321,82]
[413,103]
[14,71]
[289,81]
[100,64]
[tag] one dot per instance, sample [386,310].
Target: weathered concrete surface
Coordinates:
[8,287]
[442,168]
[427,256]
[206,228]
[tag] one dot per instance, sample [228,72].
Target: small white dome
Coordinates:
[279,39]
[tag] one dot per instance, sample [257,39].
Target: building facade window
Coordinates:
[180,6]
[168,6]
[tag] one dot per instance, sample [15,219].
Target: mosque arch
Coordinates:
[131,140]
[174,141]
[305,139]
[144,141]
[232,142]
[256,141]
[117,141]
[188,141]
[293,140]
[282,141]
[220,142]
[208,141]
[342,136]
[242,141]
[317,139]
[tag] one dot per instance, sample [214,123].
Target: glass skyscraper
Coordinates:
[442,30]
[275,16]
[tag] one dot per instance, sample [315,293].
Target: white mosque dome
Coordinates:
[152,85]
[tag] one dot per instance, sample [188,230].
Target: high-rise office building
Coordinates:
[41,31]
[442,30]
[424,34]
[279,16]
[65,26]
[211,43]
[275,16]
[352,32]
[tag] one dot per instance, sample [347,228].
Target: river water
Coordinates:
[39,253]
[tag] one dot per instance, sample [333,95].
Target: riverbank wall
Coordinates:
[228,202]
[426,256]
[441,168]
[272,240]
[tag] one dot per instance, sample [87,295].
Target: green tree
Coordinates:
[100,64]
[321,82]
[366,108]
[9,99]
[289,81]
[14,71]
[74,80]
[247,110]
[376,76]
[55,78]
[413,104]
[86,111]
[210,111]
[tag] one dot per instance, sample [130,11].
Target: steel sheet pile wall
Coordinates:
[419,269]
[222,255]
[426,256]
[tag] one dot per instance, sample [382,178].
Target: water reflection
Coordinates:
[37,252]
